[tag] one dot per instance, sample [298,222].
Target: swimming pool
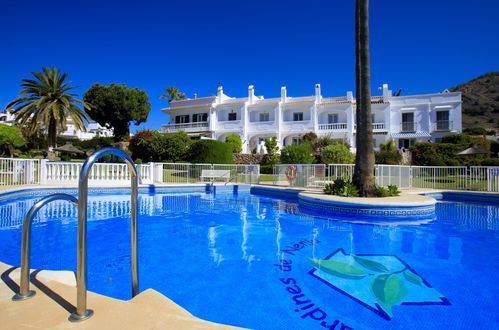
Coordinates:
[265,263]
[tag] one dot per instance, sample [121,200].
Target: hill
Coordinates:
[480,101]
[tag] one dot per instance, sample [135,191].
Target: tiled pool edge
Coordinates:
[404,206]
[47,190]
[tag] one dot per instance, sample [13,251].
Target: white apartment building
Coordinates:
[405,119]
[93,128]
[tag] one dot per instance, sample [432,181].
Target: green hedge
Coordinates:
[210,152]
[297,154]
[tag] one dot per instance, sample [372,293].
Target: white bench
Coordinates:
[215,174]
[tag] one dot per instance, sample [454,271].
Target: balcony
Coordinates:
[298,125]
[228,125]
[377,127]
[408,126]
[186,127]
[262,126]
[442,126]
[337,127]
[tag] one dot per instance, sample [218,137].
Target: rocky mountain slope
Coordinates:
[480,101]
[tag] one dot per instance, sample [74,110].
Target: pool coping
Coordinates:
[56,296]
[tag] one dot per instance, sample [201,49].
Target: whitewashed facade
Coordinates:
[93,128]
[405,119]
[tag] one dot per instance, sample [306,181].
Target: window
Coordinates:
[182,119]
[408,122]
[296,140]
[332,118]
[375,143]
[373,118]
[232,116]
[199,117]
[297,116]
[264,116]
[443,120]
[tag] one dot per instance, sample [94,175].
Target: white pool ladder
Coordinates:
[82,313]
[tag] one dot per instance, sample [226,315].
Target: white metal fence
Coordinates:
[199,173]
[480,178]
[19,171]
[35,171]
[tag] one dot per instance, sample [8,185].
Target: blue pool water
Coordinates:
[245,260]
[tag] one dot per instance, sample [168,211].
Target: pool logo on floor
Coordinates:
[378,282]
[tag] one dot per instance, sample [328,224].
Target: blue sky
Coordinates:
[419,46]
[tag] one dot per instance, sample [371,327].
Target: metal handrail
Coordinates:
[82,313]
[24,291]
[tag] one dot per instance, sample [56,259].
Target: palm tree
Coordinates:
[363,176]
[45,101]
[172,94]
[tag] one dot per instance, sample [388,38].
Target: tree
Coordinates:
[363,176]
[172,94]
[116,105]
[337,153]
[272,155]
[236,143]
[45,100]
[10,137]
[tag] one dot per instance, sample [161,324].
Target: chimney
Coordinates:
[251,94]
[220,93]
[318,95]
[283,94]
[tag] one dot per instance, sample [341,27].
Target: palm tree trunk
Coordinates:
[363,176]
[52,134]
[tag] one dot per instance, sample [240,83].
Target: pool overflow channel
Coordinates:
[81,313]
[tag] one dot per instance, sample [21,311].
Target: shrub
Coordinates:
[475,130]
[436,162]
[431,154]
[490,162]
[337,153]
[388,157]
[151,145]
[341,187]
[453,162]
[173,147]
[235,142]
[297,154]
[309,137]
[391,190]
[266,169]
[139,146]
[96,142]
[462,139]
[210,152]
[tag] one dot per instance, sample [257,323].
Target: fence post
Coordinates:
[43,171]
[151,172]
[410,177]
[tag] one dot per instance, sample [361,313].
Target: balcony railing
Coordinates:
[443,125]
[187,127]
[408,126]
[375,126]
[333,127]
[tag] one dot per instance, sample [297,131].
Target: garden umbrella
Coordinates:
[69,148]
[473,151]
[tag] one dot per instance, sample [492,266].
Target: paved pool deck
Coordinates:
[55,299]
